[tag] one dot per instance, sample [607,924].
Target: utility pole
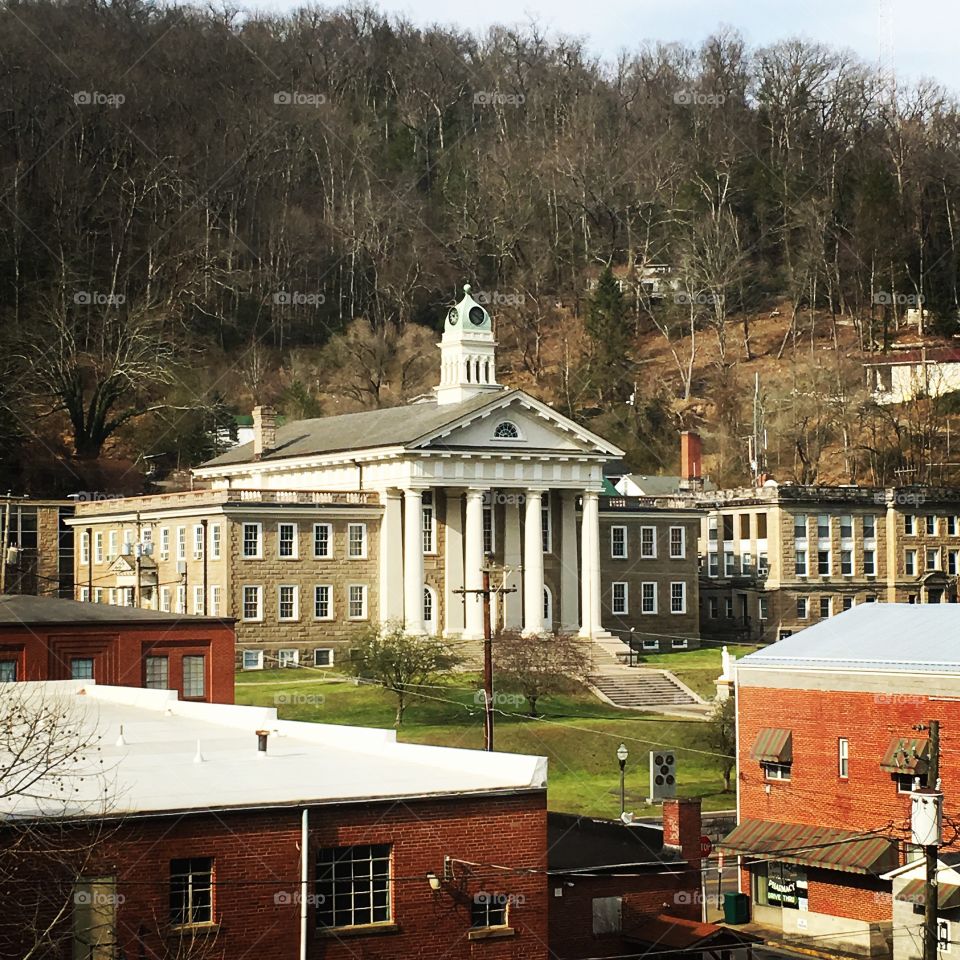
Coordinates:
[206,589]
[931,891]
[484,594]
[137,560]
[90,564]
[6,545]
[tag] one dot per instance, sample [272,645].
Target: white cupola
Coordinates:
[467,353]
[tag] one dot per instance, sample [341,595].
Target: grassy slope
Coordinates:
[584,776]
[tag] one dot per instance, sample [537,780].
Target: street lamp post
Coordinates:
[622,758]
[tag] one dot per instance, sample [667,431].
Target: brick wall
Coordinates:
[866,800]
[257,879]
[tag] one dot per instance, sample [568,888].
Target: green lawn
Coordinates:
[578,733]
[696,668]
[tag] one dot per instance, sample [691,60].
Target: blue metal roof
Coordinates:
[887,637]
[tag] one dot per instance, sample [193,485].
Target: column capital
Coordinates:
[590,494]
[536,491]
[474,493]
[415,489]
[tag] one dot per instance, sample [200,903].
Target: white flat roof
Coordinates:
[154,768]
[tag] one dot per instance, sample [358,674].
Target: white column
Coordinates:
[513,602]
[569,579]
[413,561]
[473,564]
[391,558]
[590,575]
[532,564]
[453,564]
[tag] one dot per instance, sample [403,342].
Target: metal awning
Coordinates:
[845,850]
[914,891]
[906,755]
[773,746]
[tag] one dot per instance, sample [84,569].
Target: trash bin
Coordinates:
[736,907]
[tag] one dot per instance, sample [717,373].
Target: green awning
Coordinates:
[906,755]
[773,746]
[825,847]
[914,891]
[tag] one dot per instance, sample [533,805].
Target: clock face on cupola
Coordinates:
[468,315]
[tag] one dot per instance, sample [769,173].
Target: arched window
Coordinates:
[430,610]
[506,430]
[547,610]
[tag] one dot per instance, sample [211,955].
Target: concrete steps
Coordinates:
[638,688]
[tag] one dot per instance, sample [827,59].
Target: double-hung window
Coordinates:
[678,545]
[619,593]
[648,597]
[678,597]
[287,541]
[428,523]
[253,541]
[357,541]
[618,542]
[252,603]
[322,541]
[648,543]
[323,602]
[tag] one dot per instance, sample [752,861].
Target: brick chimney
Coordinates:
[682,827]
[691,455]
[264,431]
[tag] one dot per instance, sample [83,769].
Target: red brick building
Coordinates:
[42,638]
[828,752]
[329,842]
[609,880]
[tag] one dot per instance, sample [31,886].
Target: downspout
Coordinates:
[304,866]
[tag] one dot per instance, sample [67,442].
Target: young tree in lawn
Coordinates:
[401,661]
[721,738]
[539,665]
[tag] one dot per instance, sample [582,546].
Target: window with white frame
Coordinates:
[181,543]
[547,609]
[846,527]
[618,542]
[619,594]
[428,523]
[357,601]
[728,608]
[128,539]
[712,529]
[846,563]
[323,657]
[870,562]
[951,526]
[953,562]
[352,886]
[287,541]
[84,594]
[823,562]
[869,527]
[252,659]
[546,524]
[165,599]
[194,676]
[678,643]
[713,564]
[843,757]
[678,597]
[763,565]
[111,596]
[933,558]
[288,658]
[164,543]
[713,607]
[216,541]
[678,543]
[648,542]
[802,608]
[823,526]
[651,643]
[357,541]
[800,563]
[198,599]
[156,673]
[931,525]
[746,561]
[215,595]
[182,598]
[909,524]
[800,526]
[98,547]
[252,541]
[98,595]
[729,564]
[322,541]
[648,597]
[252,603]
[910,562]
[323,602]
[825,607]
[763,611]
[288,602]
[429,609]
[198,542]
[85,547]
[114,541]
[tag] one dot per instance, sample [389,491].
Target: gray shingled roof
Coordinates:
[16,610]
[353,431]
[662,485]
[888,637]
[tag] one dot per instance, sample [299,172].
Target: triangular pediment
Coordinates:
[516,423]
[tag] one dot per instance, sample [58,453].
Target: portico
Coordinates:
[477,469]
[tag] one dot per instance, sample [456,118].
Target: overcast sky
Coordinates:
[925,32]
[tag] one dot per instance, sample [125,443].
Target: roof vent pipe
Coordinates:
[262,742]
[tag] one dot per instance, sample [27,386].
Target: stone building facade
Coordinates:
[36,547]
[776,559]
[433,488]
